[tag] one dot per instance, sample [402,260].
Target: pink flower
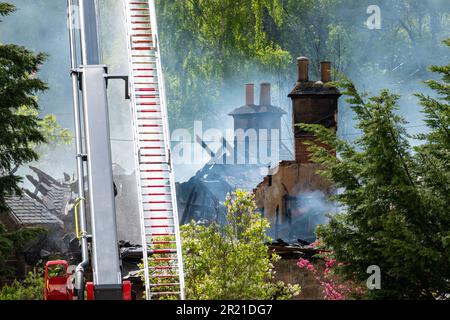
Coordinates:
[310,267]
[331,293]
[330,263]
[331,284]
[303,263]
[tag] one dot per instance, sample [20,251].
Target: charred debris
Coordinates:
[50,204]
[290,194]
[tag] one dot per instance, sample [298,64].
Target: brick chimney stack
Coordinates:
[325,70]
[303,69]
[250,94]
[312,103]
[265,98]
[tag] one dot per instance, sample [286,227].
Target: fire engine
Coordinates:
[159,224]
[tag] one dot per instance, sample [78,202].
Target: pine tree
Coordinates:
[394,198]
[18,132]
[434,154]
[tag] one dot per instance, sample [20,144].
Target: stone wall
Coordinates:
[288,272]
[290,178]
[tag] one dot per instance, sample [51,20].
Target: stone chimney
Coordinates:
[252,119]
[312,103]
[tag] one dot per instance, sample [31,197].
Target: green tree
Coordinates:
[434,153]
[19,132]
[208,44]
[210,47]
[6,8]
[31,288]
[9,241]
[395,199]
[18,87]
[232,262]
[54,134]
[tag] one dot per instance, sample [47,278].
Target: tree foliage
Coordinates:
[54,134]
[31,288]
[333,288]
[232,262]
[20,131]
[211,47]
[395,198]
[18,87]
[208,43]
[6,8]
[15,240]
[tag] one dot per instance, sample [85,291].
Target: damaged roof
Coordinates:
[293,250]
[253,109]
[314,88]
[244,177]
[208,189]
[55,195]
[29,211]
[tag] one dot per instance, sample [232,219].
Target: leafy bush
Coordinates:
[31,288]
[232,262]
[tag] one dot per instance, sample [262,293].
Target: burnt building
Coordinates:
[54,194]
[243,164]
[202,197]
[49,204]
[294,197]
[42,208]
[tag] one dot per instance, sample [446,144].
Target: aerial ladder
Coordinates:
[159,224]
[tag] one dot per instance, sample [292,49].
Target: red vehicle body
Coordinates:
[57,281]
[58,285]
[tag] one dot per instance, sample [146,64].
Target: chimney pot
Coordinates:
[303,69]
[265,99]
[325,67]
[318,84]
[249,94]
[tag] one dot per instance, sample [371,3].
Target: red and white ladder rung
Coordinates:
[163,265]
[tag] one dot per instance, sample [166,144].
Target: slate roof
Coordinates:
[29,211]
[57,197]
